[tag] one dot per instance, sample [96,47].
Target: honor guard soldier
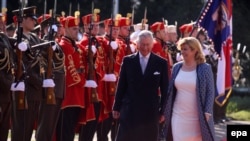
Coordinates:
[6,78]
[75,65]
[126,46]
[137,29]
[50,107]
[10,30]
[160,43]
[124,36]
[190,29]
[105,62]
[171,43]
[30,72]
[90,43]
[43,22]
[172,34]
[46,22]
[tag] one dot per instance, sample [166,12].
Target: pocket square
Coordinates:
[156,73]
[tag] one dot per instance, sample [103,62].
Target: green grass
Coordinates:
[239,108]
[241,115]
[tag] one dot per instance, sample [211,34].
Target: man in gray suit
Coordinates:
[141,93]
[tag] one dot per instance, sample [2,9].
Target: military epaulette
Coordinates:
[33,34]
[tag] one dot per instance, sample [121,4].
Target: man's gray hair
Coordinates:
[144,34]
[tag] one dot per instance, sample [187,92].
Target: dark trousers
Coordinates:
[87,131]
[220,112]
[5,109]
[23,122]
[105,126]
[67,122]
[47,120]
[162,132]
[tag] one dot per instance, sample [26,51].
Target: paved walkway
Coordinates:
[220,130]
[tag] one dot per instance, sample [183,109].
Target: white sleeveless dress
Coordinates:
[185,119]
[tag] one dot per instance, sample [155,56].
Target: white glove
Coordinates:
[19,87]
[215,56]
[48,83]
[90,84]
[114,45]
[54,27]
[178,57]
[109,78]
[132,47]
[23,46]
[54,47]
[206,52]
[93,49]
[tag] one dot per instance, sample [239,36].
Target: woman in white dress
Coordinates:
[191,96]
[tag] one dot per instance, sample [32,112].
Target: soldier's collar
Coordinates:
[108,37]
[27,35]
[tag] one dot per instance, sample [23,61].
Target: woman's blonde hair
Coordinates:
[194,44]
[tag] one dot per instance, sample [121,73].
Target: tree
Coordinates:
[182,11]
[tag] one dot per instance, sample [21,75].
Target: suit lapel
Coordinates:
[137,64]
[150,64]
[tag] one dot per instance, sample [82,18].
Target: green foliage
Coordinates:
[239,108]
[182,11]
[241,115]
[237,103]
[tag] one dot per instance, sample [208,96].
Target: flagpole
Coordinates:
[199,17]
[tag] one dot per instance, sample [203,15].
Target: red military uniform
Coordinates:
[162,51]
[190,29]
[90,112]
[75,66]
[160,47]
[126,46]
[105,66]
[75,76]
[122,51]
[102,64]
[100,67]
[93,19]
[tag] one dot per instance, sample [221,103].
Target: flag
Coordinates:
[216,19]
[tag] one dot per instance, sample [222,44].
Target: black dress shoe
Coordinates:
[225,119]
[217,121]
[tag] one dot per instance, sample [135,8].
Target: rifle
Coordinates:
[111,85]
[91,71]
[21,99]
[131,18]
[44,18]
[44,44]
[70,7]
[50,99]
[144,20]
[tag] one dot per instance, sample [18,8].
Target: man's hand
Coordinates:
[162,119]
[116,114]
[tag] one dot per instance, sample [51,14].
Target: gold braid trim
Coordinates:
[5,60]
[60,63]
[73,72]
[32,58]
